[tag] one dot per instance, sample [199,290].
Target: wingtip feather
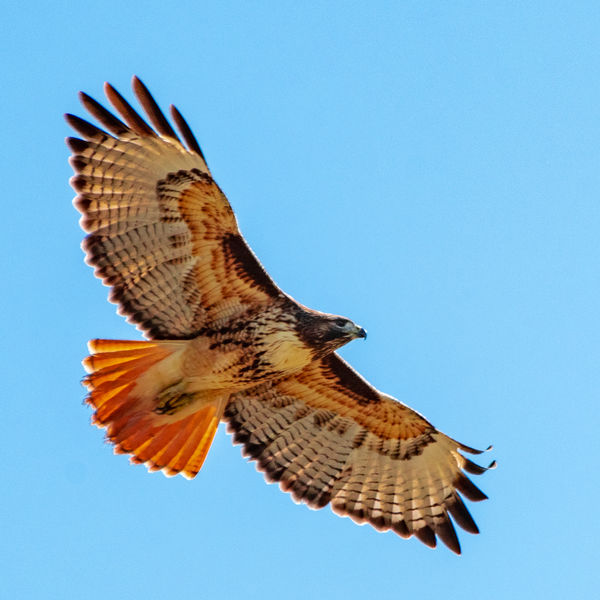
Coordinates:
[153,111]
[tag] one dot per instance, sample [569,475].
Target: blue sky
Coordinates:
[428,169]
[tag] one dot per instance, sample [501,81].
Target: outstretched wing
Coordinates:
[160,231]
[328,436]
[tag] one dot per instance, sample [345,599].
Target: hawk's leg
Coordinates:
[173,398]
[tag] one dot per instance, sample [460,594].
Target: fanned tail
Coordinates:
[138,392]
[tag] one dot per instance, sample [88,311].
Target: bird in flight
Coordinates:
[224,343]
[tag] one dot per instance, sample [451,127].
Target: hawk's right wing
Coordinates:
[160,231]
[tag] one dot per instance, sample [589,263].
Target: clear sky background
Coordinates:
[428,169]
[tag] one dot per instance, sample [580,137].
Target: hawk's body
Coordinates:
[227,343]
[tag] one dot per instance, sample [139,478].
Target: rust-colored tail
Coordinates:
[138,393]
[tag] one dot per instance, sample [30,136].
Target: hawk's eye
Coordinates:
[340,322]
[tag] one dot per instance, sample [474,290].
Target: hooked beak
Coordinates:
[361,333]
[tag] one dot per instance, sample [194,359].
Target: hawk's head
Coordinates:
[326,333]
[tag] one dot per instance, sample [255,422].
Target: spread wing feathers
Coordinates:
[327,436]
[160,231]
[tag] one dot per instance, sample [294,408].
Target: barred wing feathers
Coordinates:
[161,233]
[327,436]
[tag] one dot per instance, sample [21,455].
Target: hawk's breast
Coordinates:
[285,351]
[244,354]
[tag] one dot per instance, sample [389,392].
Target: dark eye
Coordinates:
[340,322]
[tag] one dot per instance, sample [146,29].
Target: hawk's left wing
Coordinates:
[328,436]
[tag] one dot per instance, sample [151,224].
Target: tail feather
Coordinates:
[199,450]
[114,363]
[125,380]
[177,443]
[108,400]
[149,450]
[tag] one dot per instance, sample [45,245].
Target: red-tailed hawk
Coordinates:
[225,343]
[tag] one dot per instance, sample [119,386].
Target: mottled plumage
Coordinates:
[225,343]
